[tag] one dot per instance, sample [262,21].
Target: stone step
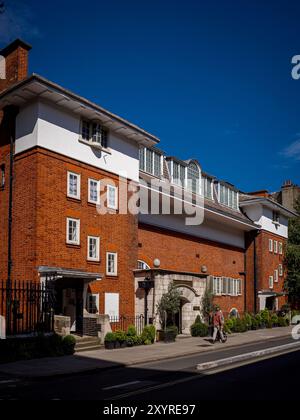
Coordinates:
[91,341]
[88,348]
[86,343]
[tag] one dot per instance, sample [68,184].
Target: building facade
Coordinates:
[70,171]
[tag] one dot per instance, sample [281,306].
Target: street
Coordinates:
[175,379]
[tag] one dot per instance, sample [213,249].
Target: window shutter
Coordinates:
[210,284]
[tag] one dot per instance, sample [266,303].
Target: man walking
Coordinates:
[218,322]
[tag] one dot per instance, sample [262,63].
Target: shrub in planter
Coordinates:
[129,341]
[138,340]
[68,343]
[254,324]
[110,340]
[228,325]
[131,331]
[283,321]
[248,320]
[265,316]
[274,320]
[121,338]
[148,333]
[198,319]
[147,342]
[259,320]
[170,334]
[198,329]
[269,324]
[240,326]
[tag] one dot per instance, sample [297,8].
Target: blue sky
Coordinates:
[212,79]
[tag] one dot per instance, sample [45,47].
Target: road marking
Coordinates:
[121,385]
[153,388]
[247,356]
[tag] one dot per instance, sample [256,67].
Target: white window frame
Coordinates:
[275,247]
[270,245]
[97,258]
[90,180]
[142,265]
[96,295]
[276,276]
[115,205]
[115,273]
[102,134]
[217,286]
[230,196]
[280,270]
[280,248]
[239,287]
[271,282]
[78,176]
[71,242]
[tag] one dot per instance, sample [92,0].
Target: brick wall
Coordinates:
[40,209]
[16,63]
[184,253]
[268,261]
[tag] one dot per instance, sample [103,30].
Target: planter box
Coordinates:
[109,345]
[166,336]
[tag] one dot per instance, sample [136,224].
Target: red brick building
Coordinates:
[62,155]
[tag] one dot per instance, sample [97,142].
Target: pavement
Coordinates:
[108,359]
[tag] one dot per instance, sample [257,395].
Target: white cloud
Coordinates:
[16,22]
[292,151]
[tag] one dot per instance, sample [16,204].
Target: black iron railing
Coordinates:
[122,322]
[28,307]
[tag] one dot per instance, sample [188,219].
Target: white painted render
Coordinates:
[111,304]
[41,124]
[264,217]
[208,230]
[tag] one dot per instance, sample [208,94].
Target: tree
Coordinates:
[169,305]
[292,259]
[206,305]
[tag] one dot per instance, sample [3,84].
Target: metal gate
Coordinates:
[27,306]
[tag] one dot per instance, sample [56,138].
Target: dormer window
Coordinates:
[85,130]
[150,161]
[207,187]
[178,174]
[193,177]
[94,133]
[228,196]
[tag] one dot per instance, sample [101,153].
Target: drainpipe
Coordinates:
[245,282]
[11,112]
[255,272]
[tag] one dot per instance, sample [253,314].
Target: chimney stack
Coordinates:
[15,66]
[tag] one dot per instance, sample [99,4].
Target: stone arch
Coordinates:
[189,298]
[187,292]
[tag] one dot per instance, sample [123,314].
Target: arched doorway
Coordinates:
[184,318]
